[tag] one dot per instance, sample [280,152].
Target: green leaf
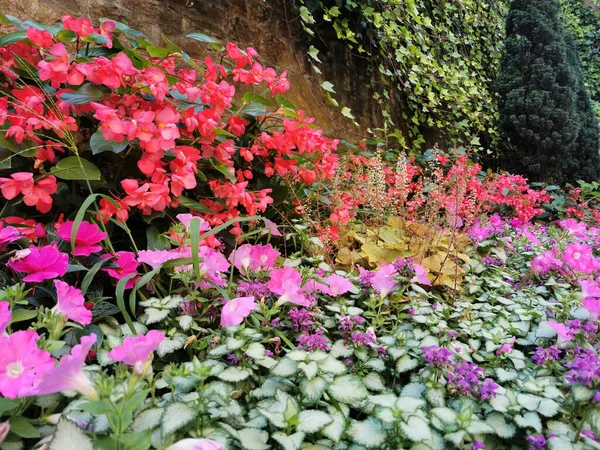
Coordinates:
[336,428]
[529,420]
[252,97]
[85,94]
[89,277]
[6,404]
[157,52]
[22,427]
[203,38]
[253,439]
[156,241]
[348,389]
[416,429]
[254,109]
[193,204]
[291,442]
[500,427]
[406,363]
[21,314]
[347,113]
[223,168]
[148,419]
[98,144]
[327,86]
[312,420]
[69,436]
[234,374]
[76,168]
[176,415]
[66,36]
[313,389]
[96,407]
[313,53]
[369,433]
[12,38]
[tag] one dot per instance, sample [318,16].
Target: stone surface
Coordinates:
[261,24]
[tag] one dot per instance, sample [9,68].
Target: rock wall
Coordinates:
[266,25]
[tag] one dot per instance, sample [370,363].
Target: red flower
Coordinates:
[42,38]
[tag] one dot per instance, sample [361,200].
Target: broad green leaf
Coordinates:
[327,86]
[203,38]
[369,433]
[416,429]
[313,389]
[69,436]
[311,420]
[254,109]
[234,374]
[289,442]
[23,428]
[348,389]
[76,168]
[12,38]
[223,168]
[98,144]
[83,95]
[175,416]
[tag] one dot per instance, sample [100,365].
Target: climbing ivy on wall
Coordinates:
[436,60]
[583,22]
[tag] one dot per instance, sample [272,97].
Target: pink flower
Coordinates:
[186,219]
[212,264]
[8,235]
[127,265]
[420,275]
[531,237]
[545,262]
[137,349]
[593,306]
[575,228]
[240,257]
[69,374]
[5,316]
[263,257]
[196,444]
[336,285]
[87,238]
[271,228]
[156,258]
[21,363]
[236,309]
[564,333]
[384,281]
[286,283]
[71,303]
[579,257]
[43,263]
[589,288]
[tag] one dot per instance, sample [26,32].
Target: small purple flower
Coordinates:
[589,434]
[477,445]
[488,389]
[349,362]
[536,442]
[543,355]
[364,339]
[437,356]
[358,320]
[597,397]
[585,369]
[256,288]
[301,318]
[188,308]
[346,325]
[590,328]
[313,341]
[233,359]
[382,351]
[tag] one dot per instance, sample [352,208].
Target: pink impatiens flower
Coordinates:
[420,275]
[44,263]
[384,280]
[71,303]
[137,349]
[336,285]
[196,444]
[5,316]
[87,238]
[127,266]
[579,257]
[156,258]
[286,283]
[21,363]
[236,309]
[564,334]
[69,374]
[8,235]
[593,306]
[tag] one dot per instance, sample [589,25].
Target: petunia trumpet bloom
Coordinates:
[87,238]
[564,333]
[68,374]
[384,281]
[236,309]
[593,306]
[196,444]
[22,364]
[5,316]
[44,263]
[71,303]
[286,282]
[579,258]
[420,275]
[336,285]
[138,349]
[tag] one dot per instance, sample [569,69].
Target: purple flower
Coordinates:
[233,359]
[313,341]
[301,318]
[346,325]
[256,289]
[488,389]
[585,369]
[536,442]
[437,356]
[364,339]
[543,355]
[477,445]
[589,434]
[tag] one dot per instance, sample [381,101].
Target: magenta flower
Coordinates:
[127,265]
[384,280]
[196,444]
[8,235]
[575,228]
[531,237]
[564,334]
[87,238]
[579,257]
[137,349]
[286,283]
[44,263]
[592,305]
[589,288]
[236,309]
[186,220]
[22,363]
[336,285]
[5,316]
[213,263]
[71,303]
[420,275]
[270,228]
[263,257]
[545,262]
[69,374]
[240,257]
[156,258]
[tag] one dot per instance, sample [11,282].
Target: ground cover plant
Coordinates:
[188,263]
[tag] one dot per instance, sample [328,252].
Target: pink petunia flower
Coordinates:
[5,316]
[186,219]
[564,334]
[271,228]
[156,258]
[579,258]
[589,288]
[196,444]
[71,303]
[384,281]
[420,275]
[263,257]
[336,285]
[44,263]
[593,306]
[240,257]
[236,309]
[69,374]
[545,262]
[286,283]
[137,349]
[574,227]
[87,238]
[22,363]
[127,265]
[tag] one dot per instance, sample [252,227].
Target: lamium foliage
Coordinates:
[544,106]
